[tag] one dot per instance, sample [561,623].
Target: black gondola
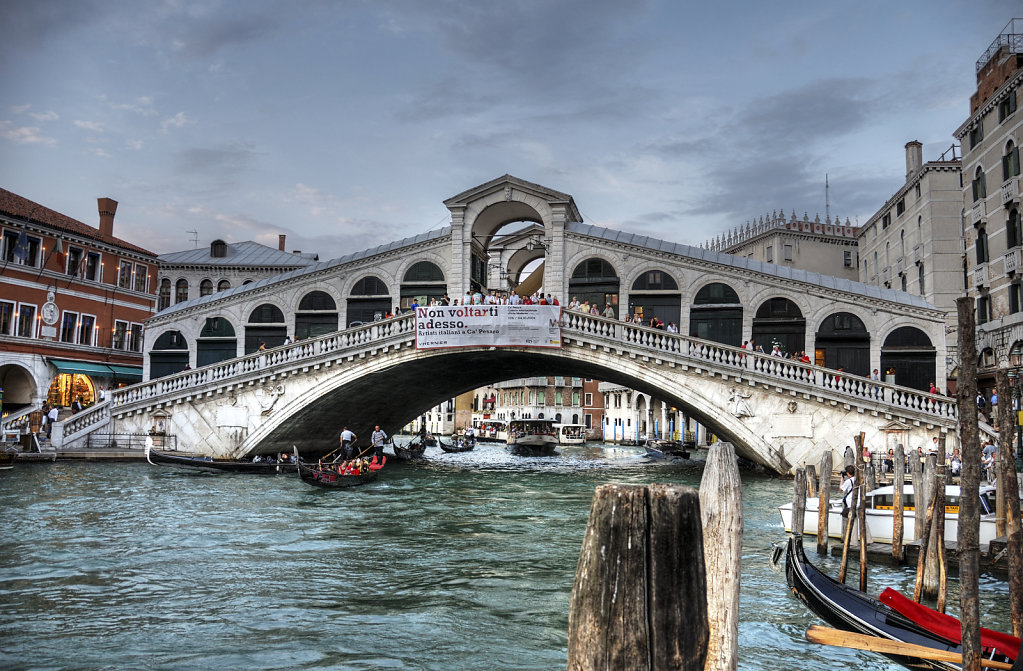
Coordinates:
[268,467]
[846,608]
[411,452]
[464,445]
[666,449]
[331,478]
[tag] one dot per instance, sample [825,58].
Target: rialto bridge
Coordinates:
[209,386]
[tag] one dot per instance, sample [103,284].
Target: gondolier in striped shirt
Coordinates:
[347,438]
[377,440]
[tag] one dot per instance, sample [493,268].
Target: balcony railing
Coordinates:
[978,212]
[1012,260]
[1010,190]
[918,253]
[980,275]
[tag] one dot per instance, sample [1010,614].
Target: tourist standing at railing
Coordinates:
[609,311]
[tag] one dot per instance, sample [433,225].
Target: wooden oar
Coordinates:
[848,639]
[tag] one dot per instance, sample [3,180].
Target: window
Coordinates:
[900,207]
[135,344]
[1007,107]
[26,253]
[921,278]
[124,274]
[982,256]
[68,327]
[788,252]
[769,254]
[93,267]
[74,260]
[141,277]
[976,133]
[886,220]
[979,185]
[1015,296]
[120,334]
[983,309]
[181,291]
[86,330]
[575,398]
[1013,230]
[847,259]
[164,299]
[1010,161]
[904,280]
[223,285]
[916,191]
[27,321]
[589,399]
[558,397]
[206,287]
[541,397]
[6,318]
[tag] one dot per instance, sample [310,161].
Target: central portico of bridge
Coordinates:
[233,400]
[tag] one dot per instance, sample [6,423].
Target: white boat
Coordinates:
[492,430]
[571,434]
[879,514]
[532,435]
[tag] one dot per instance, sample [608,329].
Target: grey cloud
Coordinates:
[232,157]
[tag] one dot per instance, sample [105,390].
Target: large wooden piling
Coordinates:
[861,520]
[969,500]
[824,503]
[936,493]
[919,493]
[639,599]
[898,478]
[811,481]
[721,508]
[1011,509]
[799,502]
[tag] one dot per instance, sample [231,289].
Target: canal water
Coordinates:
[465,562]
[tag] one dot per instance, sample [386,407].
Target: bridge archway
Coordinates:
[266,326]
[423,281]
[908,351]
[595,281]
[716,314]
[19,387]
[655,293]
[780,319]
[842,341]
[316,315]
[368,300]
[216,342]
[169,354]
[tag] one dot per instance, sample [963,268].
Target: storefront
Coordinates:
[83,380]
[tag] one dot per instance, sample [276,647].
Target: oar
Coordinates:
[848,639]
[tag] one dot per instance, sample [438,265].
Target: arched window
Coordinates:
[655,280]
[981,246]
[979,185]
[218,249]
[223,285]
[316,315]
[423,281]
[169,354]
[1010,161]
[902,243]
[181,291]
[595,280]
[908,351]
[920,276]
[655,294]
[216,342]
[716,314]
[205,287]
[1013,230]
[372,286]
[266,325]
[165,294]
[423,271]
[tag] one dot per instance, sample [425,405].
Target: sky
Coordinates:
[346,124]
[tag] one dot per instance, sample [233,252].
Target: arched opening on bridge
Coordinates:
[843,342]
[655,293]
[716,315]
[369,300]
[908,351]
[316,315]
[780,320]
[19,388]
[267,326]
[423,280]
[595,280]
[216,342]
[640,420]
[169,355]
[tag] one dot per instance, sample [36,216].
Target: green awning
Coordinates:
[81,367]
[126,372]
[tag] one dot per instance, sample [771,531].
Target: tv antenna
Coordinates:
[195,238]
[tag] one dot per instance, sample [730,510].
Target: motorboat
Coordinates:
[536,436]
[571,434]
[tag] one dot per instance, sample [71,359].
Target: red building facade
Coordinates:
[73,299]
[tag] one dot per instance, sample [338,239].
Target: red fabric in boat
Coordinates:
[947,626]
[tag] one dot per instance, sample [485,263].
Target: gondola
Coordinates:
[331,479]
[849,609]
[7,456]
[160,458]
[411,452]
[463,445]
[666,449]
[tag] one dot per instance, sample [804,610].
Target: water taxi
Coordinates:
[492,430]
[880,514]
[532,435]
[571,434]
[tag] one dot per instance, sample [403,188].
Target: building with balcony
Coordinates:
[73,301]
[991,205]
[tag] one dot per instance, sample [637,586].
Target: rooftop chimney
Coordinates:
[107,209]
[280,242]
[914,157]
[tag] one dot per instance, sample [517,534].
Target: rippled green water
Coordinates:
[465,562]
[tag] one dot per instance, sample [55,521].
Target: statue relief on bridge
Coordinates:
[737,403]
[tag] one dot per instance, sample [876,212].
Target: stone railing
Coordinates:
[81,423]
[783,372]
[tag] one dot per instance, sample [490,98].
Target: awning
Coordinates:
[126,372]
[81,367]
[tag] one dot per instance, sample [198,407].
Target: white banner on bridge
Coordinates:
[442,326]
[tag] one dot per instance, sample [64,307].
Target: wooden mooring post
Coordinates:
[721,510]
[639,600]
[811,481]
[824,503]
[898,479]
[799,502]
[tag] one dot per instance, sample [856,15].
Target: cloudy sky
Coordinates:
[346,124]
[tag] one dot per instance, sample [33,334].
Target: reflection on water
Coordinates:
[463,562]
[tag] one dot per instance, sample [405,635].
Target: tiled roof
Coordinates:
[15,206]
[787,272]
[238,254]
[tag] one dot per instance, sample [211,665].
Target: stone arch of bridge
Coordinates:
[393,390]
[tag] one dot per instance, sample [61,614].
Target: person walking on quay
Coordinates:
[51,418]
[347,438]
[377,440]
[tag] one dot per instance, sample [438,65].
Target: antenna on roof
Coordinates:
[827,199]
[195,238]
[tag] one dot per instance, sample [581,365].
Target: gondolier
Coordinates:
[377,440]
[347,438]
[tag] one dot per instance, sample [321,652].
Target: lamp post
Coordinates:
[1015,375]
